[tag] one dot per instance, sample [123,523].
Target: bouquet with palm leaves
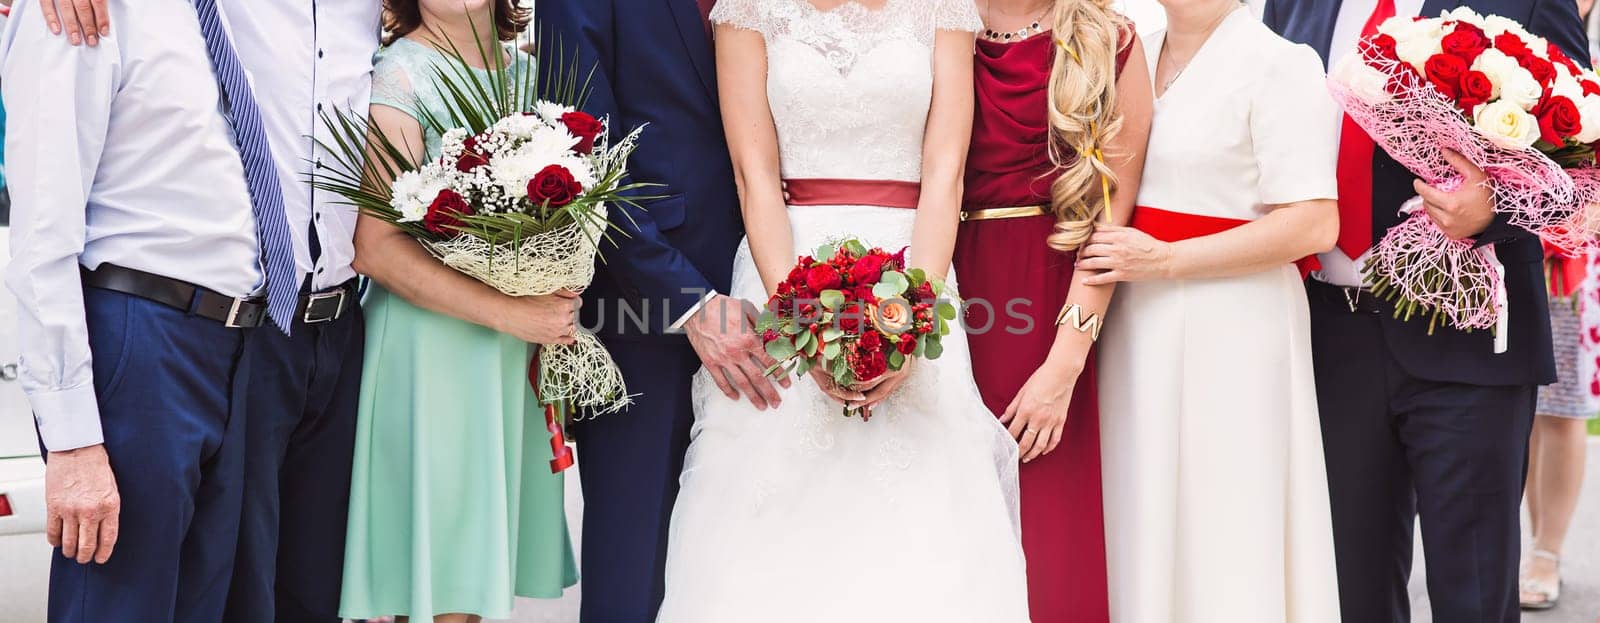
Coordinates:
[517,198]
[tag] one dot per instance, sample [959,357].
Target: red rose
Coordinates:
[907,345]
[1380,48]
[1558,119]
[554,186]
[585,127]
[1476,89]
[444,214]
[870,365]
[851,316]
[1512,45]
[1543,71]
[864,294]
[1445,72]
[471,156]
[872,340]
[1466,43]
[868,269]
[1590,87]
[822,277]
[797,275]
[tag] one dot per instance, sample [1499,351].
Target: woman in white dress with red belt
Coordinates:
[1216,494]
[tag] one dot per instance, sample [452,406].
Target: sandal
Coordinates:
[1546,595]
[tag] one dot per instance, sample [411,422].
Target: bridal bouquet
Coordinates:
[857,313]
[1510,102]
[516,199]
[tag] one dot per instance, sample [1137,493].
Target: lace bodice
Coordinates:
[850,87]
[403,78]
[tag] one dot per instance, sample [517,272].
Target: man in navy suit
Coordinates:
[657,285]
[1414,424]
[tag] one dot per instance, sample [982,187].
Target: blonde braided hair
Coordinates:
[1083,116]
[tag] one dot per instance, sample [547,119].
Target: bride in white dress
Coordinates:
[797,513]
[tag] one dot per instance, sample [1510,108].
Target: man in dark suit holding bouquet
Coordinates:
[1417,424]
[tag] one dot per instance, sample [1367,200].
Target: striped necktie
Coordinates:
[260,173]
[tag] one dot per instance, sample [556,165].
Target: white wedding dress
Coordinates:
[799,514]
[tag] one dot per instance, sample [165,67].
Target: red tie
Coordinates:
[705,13]
[1355,165]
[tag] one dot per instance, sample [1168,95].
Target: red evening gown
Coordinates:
[1007,260]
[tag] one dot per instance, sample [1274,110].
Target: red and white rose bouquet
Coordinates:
[856,314]
[517,198]
[1510,102]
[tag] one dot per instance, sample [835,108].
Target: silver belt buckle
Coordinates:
[233,315]
[311,305]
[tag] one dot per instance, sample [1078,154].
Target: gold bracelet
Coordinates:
[1072,316]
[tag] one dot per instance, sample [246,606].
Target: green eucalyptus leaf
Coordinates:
[831,299]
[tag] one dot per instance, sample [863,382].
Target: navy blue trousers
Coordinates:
[167,384]
[302,400]
[630,464]
[1398,447]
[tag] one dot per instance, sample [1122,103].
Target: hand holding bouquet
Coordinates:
[517,198]
[1511,103]
[855,314]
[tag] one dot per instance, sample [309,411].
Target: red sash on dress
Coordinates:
[1174,226]
[834,192]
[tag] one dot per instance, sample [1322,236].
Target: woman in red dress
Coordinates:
[1051,85]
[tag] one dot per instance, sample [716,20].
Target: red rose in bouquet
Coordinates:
[444,214]
[554,186]
[585,127]
[855,315]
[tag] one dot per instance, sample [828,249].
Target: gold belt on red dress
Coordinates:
[989,214]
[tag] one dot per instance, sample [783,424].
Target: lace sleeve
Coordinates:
[959,15]
[746,14]
[391,85]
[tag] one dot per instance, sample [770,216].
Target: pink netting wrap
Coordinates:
[1443,278]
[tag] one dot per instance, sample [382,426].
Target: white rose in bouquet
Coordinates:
[1466,14]
[1589,112]
[1498,67]
[1364,81]
[1507,125]
[1495,25]
[1521,89]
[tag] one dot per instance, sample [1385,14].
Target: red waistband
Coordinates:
[833,192]
[1174,226]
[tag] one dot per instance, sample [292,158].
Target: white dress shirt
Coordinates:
[116,154]
[1338,268]
[306,58]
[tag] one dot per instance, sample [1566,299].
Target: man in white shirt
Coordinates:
[136,266]
[303,59]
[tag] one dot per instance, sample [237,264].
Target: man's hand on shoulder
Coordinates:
[82,506]
[722,332]
[82,20]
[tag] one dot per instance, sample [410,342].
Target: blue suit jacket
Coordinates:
[1450,355]
[653,67]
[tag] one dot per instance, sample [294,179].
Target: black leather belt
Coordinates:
[234,312]
[1357,300]
[327,305]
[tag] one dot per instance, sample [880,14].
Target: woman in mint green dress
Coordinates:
[454,511]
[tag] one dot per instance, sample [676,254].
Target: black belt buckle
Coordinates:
[324,307]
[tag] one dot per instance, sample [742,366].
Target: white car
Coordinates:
[25,572]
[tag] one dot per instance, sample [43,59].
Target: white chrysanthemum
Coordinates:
[1589,112]
[519,126]
[1365,82]
[550,111]
[413,191]
[1507,125]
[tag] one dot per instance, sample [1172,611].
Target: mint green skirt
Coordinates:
[453,508]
